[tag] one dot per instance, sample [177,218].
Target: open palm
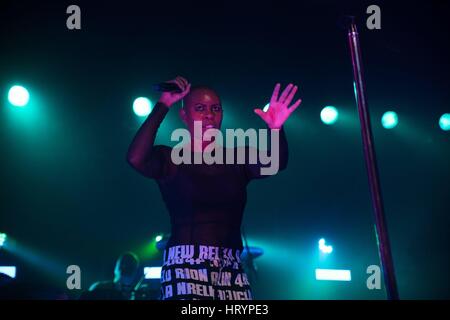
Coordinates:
[279,110]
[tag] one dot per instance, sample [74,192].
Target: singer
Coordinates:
[205,202]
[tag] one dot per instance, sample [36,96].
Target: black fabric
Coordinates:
[205,202]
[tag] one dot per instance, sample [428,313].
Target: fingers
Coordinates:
[172,81]
[186,90]
[291,95]
[183,81]
[275,93]
[180,84]
[285,93]
[260,113]
[294,106]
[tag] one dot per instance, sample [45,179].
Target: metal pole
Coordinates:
[381,231]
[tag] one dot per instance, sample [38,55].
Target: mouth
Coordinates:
[209,126]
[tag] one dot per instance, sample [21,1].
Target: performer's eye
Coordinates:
[199,107]
[217,108]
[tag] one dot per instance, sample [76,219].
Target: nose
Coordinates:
[209,115]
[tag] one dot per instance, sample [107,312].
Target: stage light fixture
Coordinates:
[3,238]
[333,275]
[324,248]
[444,122]
[10,271]
[329,115]
[389,120]
[152,272]
[142,106]
[18,96]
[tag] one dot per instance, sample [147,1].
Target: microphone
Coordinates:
[167,87]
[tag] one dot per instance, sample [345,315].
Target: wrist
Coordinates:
[165,103]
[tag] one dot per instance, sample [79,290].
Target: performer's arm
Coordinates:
[151,161]
[278,112]
[142,155]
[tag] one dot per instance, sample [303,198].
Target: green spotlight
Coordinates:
[3,238]
[329,115]
[18,96]
[389,120]
[444,122]
[158,238]
[266,107]
[142,106]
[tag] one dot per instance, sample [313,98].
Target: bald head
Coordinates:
[201,104]
[202,94]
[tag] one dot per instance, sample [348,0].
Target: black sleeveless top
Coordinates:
[205,201]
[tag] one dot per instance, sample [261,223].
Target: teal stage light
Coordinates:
[10,271]
[142,106]
[152,272]
[333,275]
[444,122]
[389,120]
[18,96]
[324,248]
[3,238]
[329,115]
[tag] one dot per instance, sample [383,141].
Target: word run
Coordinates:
[205,290]
[204,271]
[186,254]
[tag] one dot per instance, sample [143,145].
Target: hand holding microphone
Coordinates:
[173,90]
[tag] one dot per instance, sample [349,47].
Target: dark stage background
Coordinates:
[68,195]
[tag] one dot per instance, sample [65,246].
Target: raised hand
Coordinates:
[279,110]
[169,98]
